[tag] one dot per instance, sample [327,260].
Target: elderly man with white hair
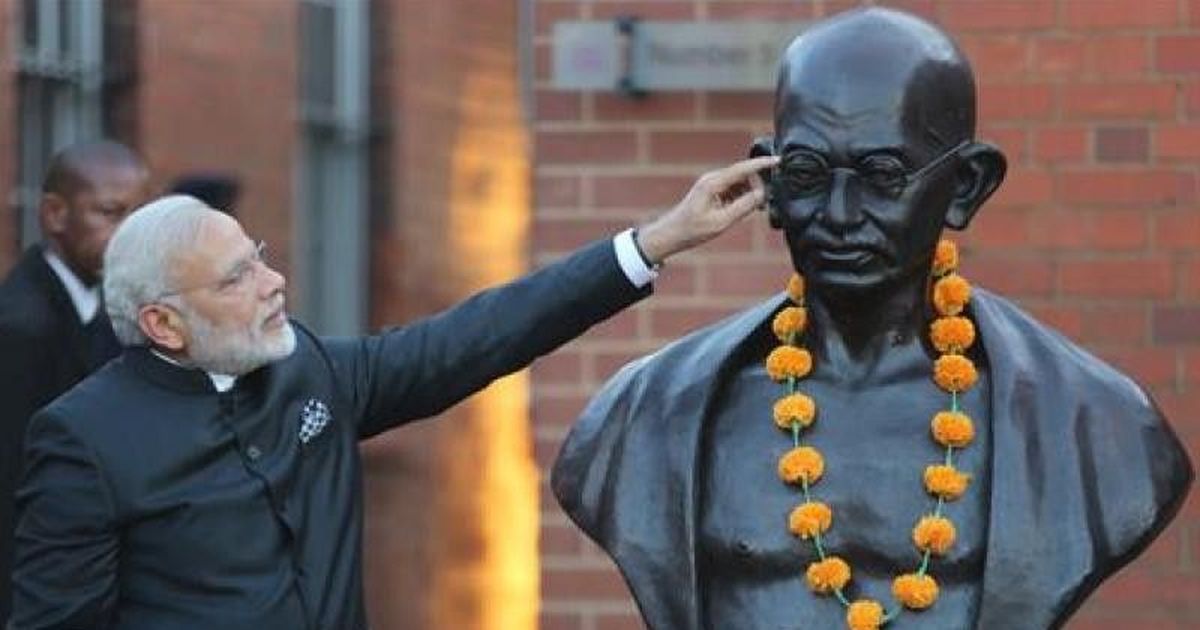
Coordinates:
[209,477]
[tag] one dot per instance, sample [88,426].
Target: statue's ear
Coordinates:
[980,171]
[764,146]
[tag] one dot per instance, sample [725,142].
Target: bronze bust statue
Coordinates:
[674,468]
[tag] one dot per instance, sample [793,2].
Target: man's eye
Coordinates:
[234,278]
[882,172]
[805,173]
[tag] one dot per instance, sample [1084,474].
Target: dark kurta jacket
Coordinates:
[1085,471]
[150,501]
[44,350]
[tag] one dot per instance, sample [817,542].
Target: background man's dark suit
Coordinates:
[44,350]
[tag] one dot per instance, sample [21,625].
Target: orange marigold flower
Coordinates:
[788,361]
[790,321]
[952,334]
[934,533]
[828,575]
[954,372]
[951,294]
[864,614]
[946,482]
[801,463]
[945,258]
[809,519]
[795,288]
[917,592]
[794,408]
[952,428]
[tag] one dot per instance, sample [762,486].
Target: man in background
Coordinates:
[52,329]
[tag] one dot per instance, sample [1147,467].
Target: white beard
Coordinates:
[237,350]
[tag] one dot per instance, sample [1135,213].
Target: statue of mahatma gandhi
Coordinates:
[881,444]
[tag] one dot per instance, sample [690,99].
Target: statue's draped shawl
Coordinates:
[1085,471]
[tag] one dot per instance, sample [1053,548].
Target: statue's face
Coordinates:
[865,182]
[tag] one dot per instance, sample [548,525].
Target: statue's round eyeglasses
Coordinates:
[804,172]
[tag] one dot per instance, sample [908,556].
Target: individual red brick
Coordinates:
[662,106]
[1116,324]
[1176,324]
[1058,229]
[564,367]
[557,410]
[589,583]
[1012,141]
[997,57]
[1117,278]
[547,14]
[1119,100]
[1012,277]
[552,105]
[1150,367]
[640,191]
[1059,56]
[567,234]
[997,227]
[1177,229]
[743,280]
[677,278]
[672,322]
[1024,187]
[1061,144]
[750,10]
[1191,370]
[1015,101]
[997,15]
[560,621]
[1122,144]
[1067,320]
[1115,56]
[645,10]
[699,147]
[751,106]
[586,147]
[1121,188]
[557,191]
[1118,230]
[1178,142]
[1189,280]
[1178,53]
[619,621]
[1119,14]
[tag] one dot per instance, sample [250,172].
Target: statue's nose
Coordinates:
[842,209]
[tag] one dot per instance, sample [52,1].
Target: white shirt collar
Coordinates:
[222,382]
[86,300]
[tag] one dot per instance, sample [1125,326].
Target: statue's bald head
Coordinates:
[874,58]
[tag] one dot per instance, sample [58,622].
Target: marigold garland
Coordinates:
[915,591]
[952,429]
[864,614]
[828,575]
[794,409]
[810,519]
[951,334]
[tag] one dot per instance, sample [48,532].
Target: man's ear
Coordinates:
[163,326]
[764,146]
[981,170]
[53,210]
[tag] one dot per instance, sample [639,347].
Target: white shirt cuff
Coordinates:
[631,262]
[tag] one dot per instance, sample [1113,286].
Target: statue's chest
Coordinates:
[876,445]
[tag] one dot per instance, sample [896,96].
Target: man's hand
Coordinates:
[716,201]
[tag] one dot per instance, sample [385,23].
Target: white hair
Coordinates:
[139,259]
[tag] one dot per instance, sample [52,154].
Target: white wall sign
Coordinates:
[663,56]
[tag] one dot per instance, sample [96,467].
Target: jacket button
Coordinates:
[253,452]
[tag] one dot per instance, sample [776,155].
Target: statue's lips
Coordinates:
[843,258]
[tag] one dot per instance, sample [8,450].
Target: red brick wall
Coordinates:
[217,91]
[9,218]
[1096,231]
